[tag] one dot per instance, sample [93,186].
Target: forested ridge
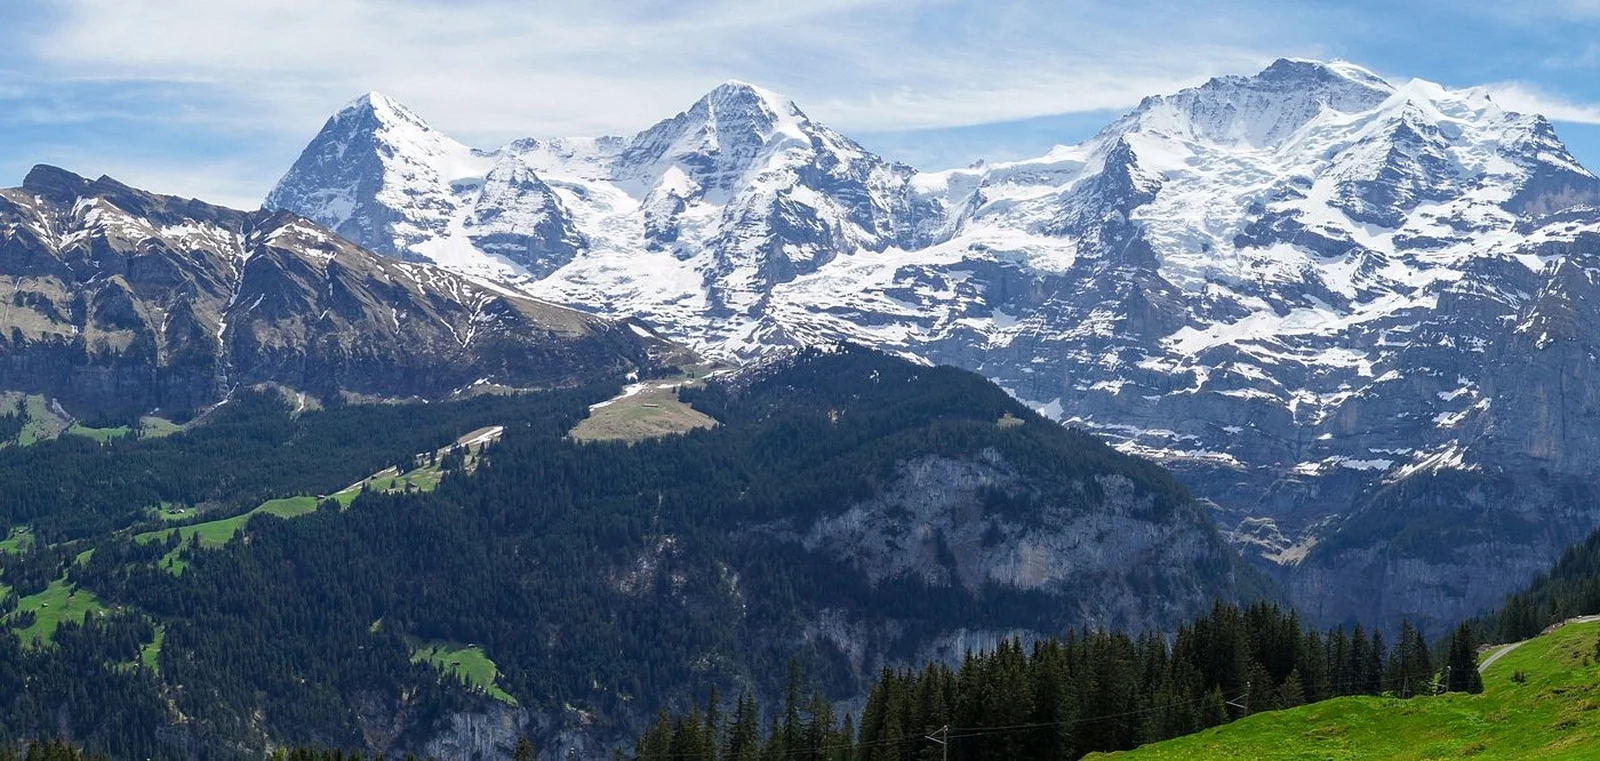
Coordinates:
[77,495]
[248,450]
[602,576]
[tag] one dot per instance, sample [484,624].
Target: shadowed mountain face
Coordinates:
[1297,288]
[121,301]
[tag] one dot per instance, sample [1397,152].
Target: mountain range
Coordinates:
[122,302]
[1352,314]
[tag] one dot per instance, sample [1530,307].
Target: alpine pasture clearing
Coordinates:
[43,422]
[58,602]
[466,663]
[642,411]
[428,472]
[101,435]
[20,540]
[149,427]
[217,533]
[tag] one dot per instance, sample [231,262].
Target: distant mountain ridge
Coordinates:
[122,301]
[1297,288]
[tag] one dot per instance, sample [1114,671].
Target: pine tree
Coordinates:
[792,728]
[743,742]
[1461,674]
[1214,708]
[714,721]
[845,749]
[1293,691]
[1340,677]
[1311,661]
[1372,670]
[1409,671]
[818,733]
[656,742]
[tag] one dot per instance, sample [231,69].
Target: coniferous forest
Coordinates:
[661,573]
[606,576]
[1088,691]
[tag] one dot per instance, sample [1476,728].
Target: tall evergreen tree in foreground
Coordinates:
[1461,671]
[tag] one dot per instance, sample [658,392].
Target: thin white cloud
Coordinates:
[490,66]
[494,67]
[487,71]
[1582,8]
[1029,94]
[1530,99]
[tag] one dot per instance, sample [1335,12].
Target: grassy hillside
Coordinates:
[1540,700]
[643,411]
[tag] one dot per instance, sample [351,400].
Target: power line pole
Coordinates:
[944,742]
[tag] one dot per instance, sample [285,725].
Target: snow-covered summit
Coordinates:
[379,175]
[738,192]
[1259,111]
[713,144]
[382,108]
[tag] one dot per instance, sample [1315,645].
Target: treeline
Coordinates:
[48,750]
[1086,692]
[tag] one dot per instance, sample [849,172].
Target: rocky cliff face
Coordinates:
[935,522]
[122,301]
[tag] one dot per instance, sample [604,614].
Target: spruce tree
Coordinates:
[743,741]
[1293,691]
[1462,672]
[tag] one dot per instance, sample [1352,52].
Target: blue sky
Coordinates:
[215,99]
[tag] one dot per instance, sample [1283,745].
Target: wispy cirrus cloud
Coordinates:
[510,67]
[1531,99]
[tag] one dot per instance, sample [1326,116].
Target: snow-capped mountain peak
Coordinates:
[384,109]
[735,98]
[379,175]
[716,142]
[1259,111]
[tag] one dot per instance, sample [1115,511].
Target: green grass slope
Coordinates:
[467,664]
[1552,711]
[59,602]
